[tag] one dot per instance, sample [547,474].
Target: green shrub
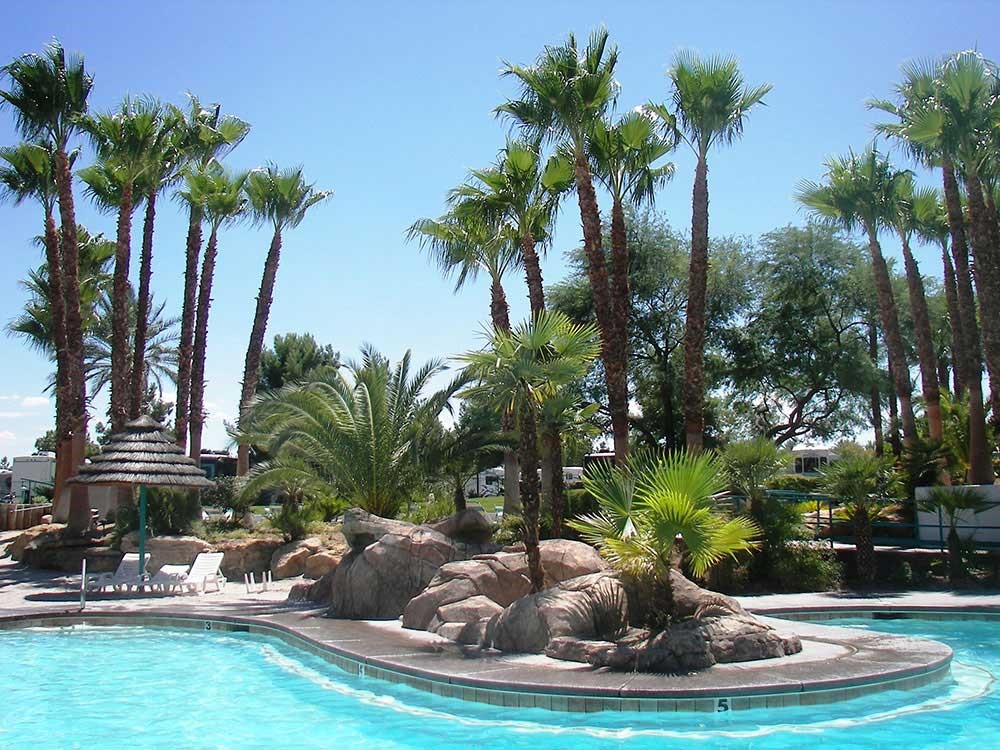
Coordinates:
[436,506]
[793,483]
[293,520]
[805,566]
[579,502]
[328,508]
[225,494]
[168,511]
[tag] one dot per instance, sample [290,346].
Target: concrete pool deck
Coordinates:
[835,664]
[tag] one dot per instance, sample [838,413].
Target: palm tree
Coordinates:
[222,202]
[518,370]
[563,95]
[354,434]
[163,158]
[457,454]
[124,140]
[562,413]
[29,173]
[903,218]
[207,135]
[857,192]
[281,198]
[953,501]
[647,504]
[48,94]
[465,244]
[864,482]
[711,104]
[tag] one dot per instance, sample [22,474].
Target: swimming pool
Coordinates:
[88,687]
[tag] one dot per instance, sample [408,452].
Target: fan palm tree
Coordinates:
[163,158]
[222,202]
[647,504]
[953,502]
[518,370]
[563,95]
[903,219]
[562,413]
[465,244]
[280,198]
[864,482]
[207,135]
[710,106]
[353,433]
[48,94]
[457,454]
[124,140]
[857,192]
[28,173]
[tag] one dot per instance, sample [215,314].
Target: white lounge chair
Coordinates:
[125,577]
[168,578]
[204,571]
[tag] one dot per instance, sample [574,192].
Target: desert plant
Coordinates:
[952,502]
[650,502]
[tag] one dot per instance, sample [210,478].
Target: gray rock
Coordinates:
[465,526]
[362,529]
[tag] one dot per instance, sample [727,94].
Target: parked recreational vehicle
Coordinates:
[32,473]
[488,483]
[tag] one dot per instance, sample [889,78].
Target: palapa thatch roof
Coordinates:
[142,455]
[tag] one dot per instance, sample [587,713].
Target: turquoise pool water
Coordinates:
[107,687]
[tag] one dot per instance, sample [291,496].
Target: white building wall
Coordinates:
[969,524]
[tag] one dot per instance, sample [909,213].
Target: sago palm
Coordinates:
[353,432]
[710,106]
[517,371]
[281,198]
[647,504]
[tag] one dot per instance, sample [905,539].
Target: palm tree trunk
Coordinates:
[74,509]
[597,273]
[619,303]
[251,369]
[958,355]
[188,311]
[986,234]
[980,466]
[557,489]
[530,492]
[694,327]
[876,399]
[893,338]
[197,416]
[137,385]
[926,356]
[956,566]
[897,447]
[57,307]
[864,548]
[119,314]
[500,315]
[459,496]
[533,275]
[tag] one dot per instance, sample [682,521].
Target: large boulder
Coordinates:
[246,556]
[317,592]
[166,550]
[289,560]
[361,528]
[586,607]
[51,547]
[501,577]
[321,563]
[35,537]
[467,525]
[378,581]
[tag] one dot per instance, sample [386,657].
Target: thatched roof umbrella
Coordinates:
[142,455]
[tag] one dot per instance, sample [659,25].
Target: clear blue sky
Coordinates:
[389,104]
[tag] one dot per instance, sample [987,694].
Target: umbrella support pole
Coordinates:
[83,585]
[142,531]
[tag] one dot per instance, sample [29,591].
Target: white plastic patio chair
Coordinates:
[125,577]
[169,578]
[204,571]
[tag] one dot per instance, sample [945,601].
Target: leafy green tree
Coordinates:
[280,198]
[518,370]
[562,98]
[48,95]
[710,107]
[800,365]
[864,482]
[296,358]
[646,505]
[353,434]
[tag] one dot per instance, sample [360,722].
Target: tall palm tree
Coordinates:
[710,106]
[222,202]
[857,192]
[48,94]
[932,227]
[28,173]
[903,218]
[163,156]
[562,96]
[353,433]
[465,244]
[517,370]
[280,198]
[124,140]
[207,136]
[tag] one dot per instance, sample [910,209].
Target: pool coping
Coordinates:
[874,662]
